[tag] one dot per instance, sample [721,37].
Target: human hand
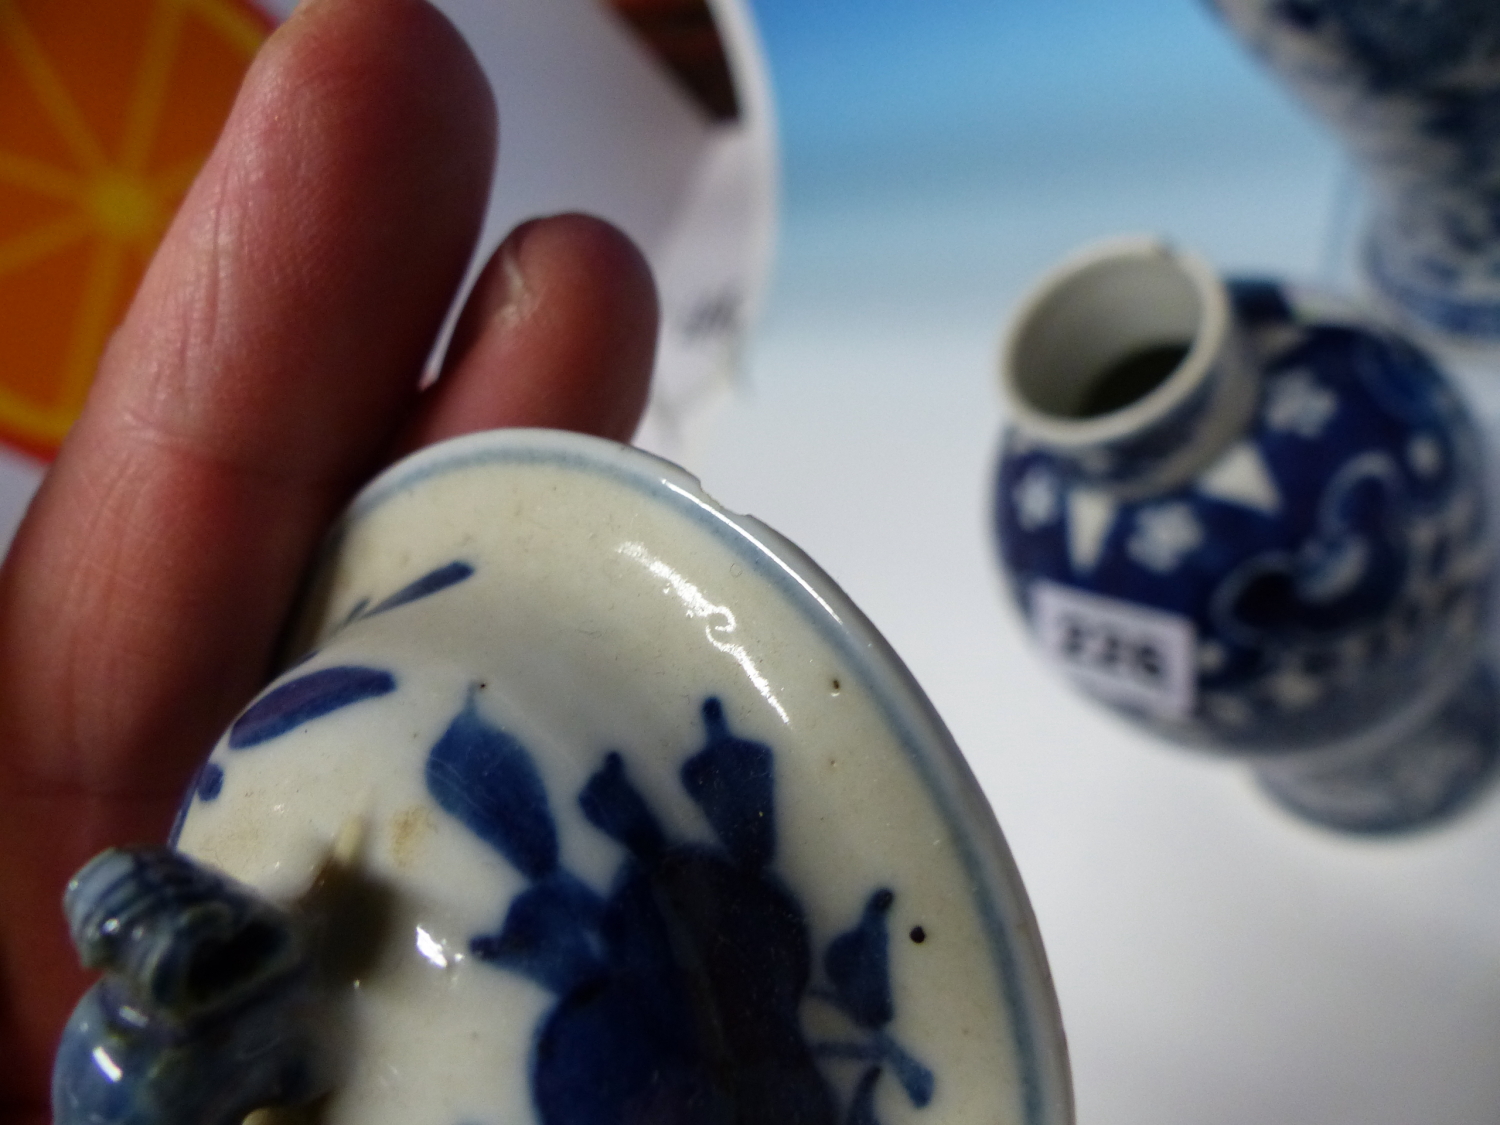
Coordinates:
[269,365]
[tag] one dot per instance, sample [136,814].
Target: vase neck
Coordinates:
[1127,362]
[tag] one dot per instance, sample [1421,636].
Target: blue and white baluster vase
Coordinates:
[1413,89]
[1255,526]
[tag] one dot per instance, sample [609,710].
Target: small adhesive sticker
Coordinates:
[1116,650]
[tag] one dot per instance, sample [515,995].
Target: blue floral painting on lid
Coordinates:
[680,991]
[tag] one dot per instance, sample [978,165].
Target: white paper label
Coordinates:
[1118,650]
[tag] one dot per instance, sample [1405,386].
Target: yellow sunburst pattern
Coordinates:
[107,111]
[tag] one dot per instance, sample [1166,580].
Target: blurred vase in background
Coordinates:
[1413,89]
[1255,524]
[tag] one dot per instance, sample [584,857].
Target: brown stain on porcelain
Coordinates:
[408,829]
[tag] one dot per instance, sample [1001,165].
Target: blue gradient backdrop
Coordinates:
[973,141]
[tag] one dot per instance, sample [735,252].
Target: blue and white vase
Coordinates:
[1255,525]
[1414,91]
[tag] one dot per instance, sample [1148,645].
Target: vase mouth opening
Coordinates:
[1112,341]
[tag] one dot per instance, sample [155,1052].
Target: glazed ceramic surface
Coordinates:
[1412,88]
[1299,557]
[636,819]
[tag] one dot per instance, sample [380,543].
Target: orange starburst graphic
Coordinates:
[107,111]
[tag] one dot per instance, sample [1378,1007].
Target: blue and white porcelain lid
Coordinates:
[589,615]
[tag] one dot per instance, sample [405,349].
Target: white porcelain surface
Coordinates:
[608,599]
